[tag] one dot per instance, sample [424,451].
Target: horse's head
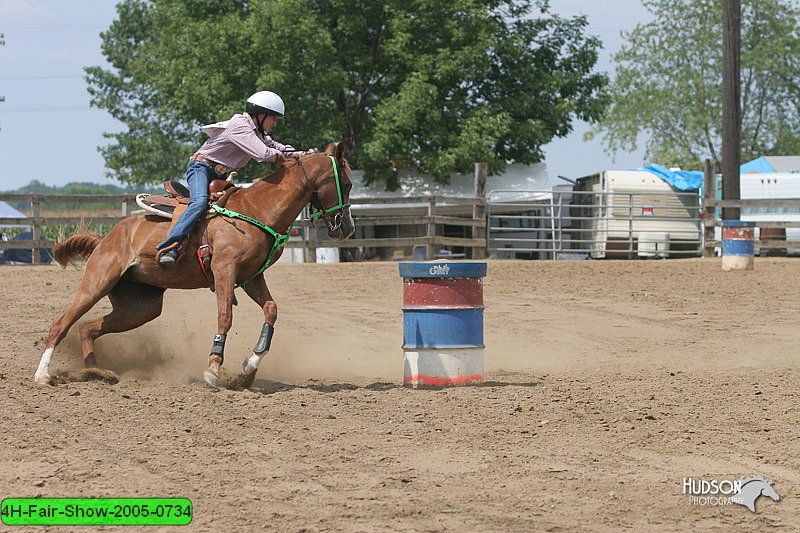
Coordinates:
[329,177]
[769,491]
[751,488]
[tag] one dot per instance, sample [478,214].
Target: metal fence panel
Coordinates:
[567,224]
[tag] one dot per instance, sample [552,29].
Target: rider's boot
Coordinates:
[168,255]
[169,258]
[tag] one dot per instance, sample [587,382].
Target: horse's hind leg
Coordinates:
[133,304]
[98,280]
[59,329]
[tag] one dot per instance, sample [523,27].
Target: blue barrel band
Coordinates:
[443,269]
[738,247]
[443,328]
[739,223]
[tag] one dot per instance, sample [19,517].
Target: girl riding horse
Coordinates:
[231,145]
[247,238]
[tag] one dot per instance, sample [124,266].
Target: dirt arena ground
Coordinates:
[608,382]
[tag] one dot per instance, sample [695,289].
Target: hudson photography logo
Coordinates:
[713,492]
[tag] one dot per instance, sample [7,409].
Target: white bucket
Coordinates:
[327,255]
[653,244]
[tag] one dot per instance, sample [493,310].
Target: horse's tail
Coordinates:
[80,245]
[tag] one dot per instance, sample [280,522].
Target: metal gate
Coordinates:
[569,224]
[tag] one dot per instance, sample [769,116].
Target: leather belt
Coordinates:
[219,168]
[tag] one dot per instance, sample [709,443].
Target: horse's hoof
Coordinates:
[247,367]
[211,378]
[251,364]
[42,378]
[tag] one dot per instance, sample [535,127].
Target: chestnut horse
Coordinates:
[247,238]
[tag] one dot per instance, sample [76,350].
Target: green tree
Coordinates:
[418,84]
[667,86]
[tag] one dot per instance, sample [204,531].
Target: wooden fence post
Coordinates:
[431,248]
[36,230]
[709,205]
[126,206]
[479,210]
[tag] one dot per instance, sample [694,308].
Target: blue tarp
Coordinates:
[757,165]
[687,180]
[683,180]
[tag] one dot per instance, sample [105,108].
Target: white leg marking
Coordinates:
[42,375]
[250,364]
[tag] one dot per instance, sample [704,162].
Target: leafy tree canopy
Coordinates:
[668,82]
[418,84]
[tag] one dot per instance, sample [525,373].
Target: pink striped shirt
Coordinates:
[235,145]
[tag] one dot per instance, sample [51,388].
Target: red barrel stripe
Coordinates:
[443,292]
[738,234]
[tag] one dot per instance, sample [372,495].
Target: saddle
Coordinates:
[174,203]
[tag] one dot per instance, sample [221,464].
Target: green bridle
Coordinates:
[340,205]
[282,238]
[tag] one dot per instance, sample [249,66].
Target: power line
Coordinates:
[63,77]
[49,28]
[41,109]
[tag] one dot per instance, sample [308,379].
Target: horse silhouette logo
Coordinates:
[752,488]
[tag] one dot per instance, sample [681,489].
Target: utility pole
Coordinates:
[731,105]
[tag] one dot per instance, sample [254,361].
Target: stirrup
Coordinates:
[168,258]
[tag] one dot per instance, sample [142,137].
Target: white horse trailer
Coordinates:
[771,185]
[634,213]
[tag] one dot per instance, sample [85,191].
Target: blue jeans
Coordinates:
[198,176]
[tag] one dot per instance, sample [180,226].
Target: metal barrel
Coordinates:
[442,323]
[737,244]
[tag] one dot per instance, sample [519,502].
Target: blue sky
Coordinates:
[48,131]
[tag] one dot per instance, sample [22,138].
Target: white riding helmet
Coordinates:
[265,102]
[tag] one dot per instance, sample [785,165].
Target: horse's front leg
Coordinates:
[224,285]
[258,291]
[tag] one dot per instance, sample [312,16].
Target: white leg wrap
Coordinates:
[42,375]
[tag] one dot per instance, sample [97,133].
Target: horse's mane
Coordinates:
[274,176]
[277,174]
